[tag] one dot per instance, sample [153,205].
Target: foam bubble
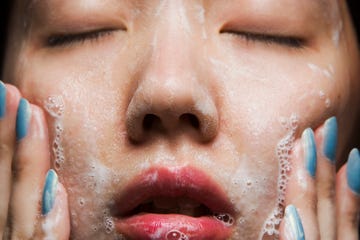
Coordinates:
[225,218]
[81,202]
[94,228]
[321,94]
[109,225]
[54,105]
[176,235]
[57,146]
[283,150]
[327,102]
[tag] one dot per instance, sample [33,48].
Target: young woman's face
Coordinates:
[171,105]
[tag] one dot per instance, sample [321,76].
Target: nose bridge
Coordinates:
[171,93]
[171,46]
[170,72]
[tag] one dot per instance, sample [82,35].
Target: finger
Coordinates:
[9,100]
[301,189]
[56,221]
[326,140]
[30,166]
[291,227]
[348,198]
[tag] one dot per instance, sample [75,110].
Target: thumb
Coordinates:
[55,210]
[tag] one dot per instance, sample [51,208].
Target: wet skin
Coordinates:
[175,84]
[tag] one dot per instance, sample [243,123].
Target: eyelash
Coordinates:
[287,41]
[60,40]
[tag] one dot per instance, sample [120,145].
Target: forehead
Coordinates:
[319,12]
[318,4]
[312,10]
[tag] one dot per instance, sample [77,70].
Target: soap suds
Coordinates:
[284,147]
[94,179]
[54,105]
[51,223]
[327,72]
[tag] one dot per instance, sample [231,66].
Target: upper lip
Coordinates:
[176,182]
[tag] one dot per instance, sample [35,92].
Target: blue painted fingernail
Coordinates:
[49,192]
[22,119]
[2,99]
[309,146]
[293,225]
[330,138]
[353,171]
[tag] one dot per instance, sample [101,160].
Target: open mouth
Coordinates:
[181,203]
[172,205]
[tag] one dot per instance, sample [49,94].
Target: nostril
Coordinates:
[151,121]
[191,119]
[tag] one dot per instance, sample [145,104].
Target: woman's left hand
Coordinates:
[320,203]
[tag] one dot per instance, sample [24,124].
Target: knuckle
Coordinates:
[6,151]
[327,191]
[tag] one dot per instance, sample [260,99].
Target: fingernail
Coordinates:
[2,99]
[49,192]
[293,225]
[22,119]
[353,171]
[309,146]
[330,138]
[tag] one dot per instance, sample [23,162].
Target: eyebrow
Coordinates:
[321,5]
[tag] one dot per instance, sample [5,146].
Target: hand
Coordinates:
[320,203]
[33,205]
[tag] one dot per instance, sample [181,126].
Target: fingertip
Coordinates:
[353,171]
[9,102]
[30,120]
[330,138]
[22,119]
[12,90]
[49,192]
[56,224]
[13,97]
[292,227]
[309,146]
[2,100]
[348,198]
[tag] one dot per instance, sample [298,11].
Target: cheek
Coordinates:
[89,90]
[267,102]
[80,159]
[261,88]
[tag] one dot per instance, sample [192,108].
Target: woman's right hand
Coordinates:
[33,204]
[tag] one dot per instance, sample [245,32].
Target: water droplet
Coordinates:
[225,218]
[176,235]
[109,225]
[81,202]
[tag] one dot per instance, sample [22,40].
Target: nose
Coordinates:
[173,96]
[170,109]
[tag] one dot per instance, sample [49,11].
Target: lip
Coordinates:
[177,182]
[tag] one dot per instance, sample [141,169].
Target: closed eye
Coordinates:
[66,39]
[287,41]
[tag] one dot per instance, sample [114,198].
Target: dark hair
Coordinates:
[5,10]
[355,13]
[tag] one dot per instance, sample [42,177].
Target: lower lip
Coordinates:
[172,227]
